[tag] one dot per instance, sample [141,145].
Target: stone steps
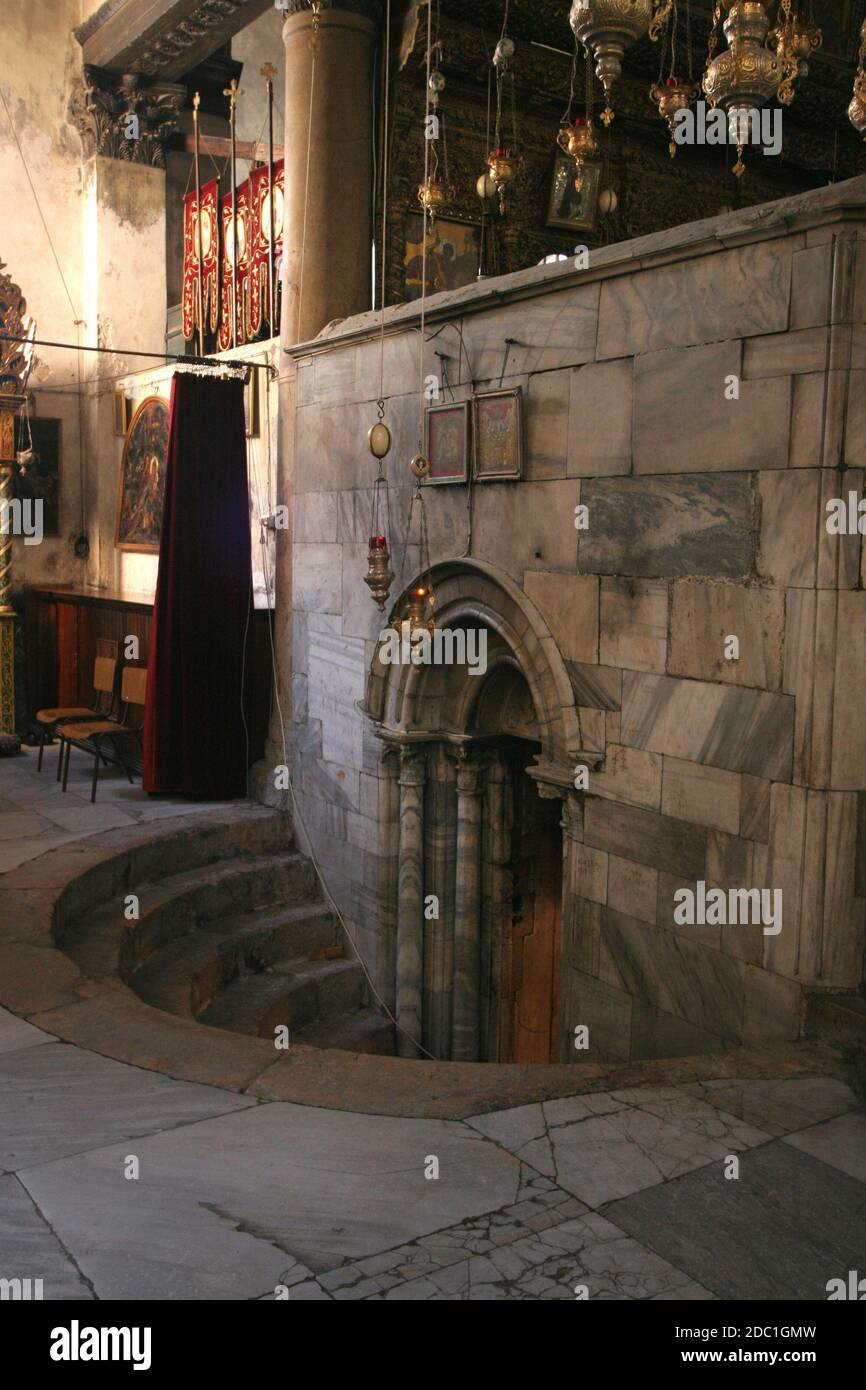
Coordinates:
[294,993]
[363,1031]
[184,976]
[231,931]
[104,942]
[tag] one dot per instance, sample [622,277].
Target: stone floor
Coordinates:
[121,1183]
[623,1194]
[36,816]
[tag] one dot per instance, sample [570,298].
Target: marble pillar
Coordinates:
[410,902]
[578,950]
[328,220]
[496,899]
[466,1021]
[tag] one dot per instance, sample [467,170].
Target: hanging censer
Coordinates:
[673,93]
[576,137]
[379,576]
[435,191]
[503,162]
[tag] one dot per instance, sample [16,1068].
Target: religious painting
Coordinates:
[142,478]
[498,435]
[447,442]
[39,480]
[453,249]
[571,208]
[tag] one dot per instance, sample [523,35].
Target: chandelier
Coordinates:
[606,28]
[756,66]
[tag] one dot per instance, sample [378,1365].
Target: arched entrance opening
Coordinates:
[482,807]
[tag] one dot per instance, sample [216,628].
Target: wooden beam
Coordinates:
[220,146]
[162,39]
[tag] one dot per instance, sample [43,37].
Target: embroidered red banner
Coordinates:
[259,307]
[243,218]
[210,260]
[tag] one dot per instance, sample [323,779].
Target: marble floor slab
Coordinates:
[37,816]
[778,1107]
[621,1143]
[29,1249]
[840,1142]
[60,1100]
[16,1033]
[249,1189]
[781,1230]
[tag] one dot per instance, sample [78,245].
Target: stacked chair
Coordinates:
[104,678]
[91,734]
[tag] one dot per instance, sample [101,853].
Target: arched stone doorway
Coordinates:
[478,827]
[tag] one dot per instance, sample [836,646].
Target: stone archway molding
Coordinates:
[474,591]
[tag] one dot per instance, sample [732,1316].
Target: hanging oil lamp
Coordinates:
[434,191]
[417,599]
[606,28]
[673,95]
[795,39]
[576,135]
[748,73]
[578,141]
[857,108]
[379,576]
[502,161]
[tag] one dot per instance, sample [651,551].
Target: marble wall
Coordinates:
[700,392]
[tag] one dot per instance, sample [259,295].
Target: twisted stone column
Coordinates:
[410,901]
[466,1029]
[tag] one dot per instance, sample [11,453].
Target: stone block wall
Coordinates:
[701,393]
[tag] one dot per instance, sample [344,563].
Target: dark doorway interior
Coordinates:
[529,1023]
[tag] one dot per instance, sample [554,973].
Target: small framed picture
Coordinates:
[498,435]
[446,442]
[251,405]
[122,413]
[571,208]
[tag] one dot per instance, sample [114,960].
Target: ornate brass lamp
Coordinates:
[795,40]
[379,576]
[748,73]
[671,96]
[606,28]
[579,141]
[502,166]
[16,360]
[857,108]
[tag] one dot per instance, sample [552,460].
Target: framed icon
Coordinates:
[571,208]
[446,442]
[498,435]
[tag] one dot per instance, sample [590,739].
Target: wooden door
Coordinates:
[531,993]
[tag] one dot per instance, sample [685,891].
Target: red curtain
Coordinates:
[194,741]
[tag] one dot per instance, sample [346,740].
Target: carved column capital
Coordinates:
[121,116]
[413,765]
[572,818]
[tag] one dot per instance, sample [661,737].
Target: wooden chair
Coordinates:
[104,676]
[90,735]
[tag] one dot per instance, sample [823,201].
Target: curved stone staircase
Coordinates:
[242,941]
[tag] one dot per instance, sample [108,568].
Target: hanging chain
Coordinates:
[714,33]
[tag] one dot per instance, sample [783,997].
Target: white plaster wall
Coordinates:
[259,43]
[41,60]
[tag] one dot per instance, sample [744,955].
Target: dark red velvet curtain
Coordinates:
[194,741]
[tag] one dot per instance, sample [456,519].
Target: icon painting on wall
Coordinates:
[142,478]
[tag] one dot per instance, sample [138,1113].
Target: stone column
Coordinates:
[410,901]
[578,946]
[496,905]
[328,220]
[466,1029]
